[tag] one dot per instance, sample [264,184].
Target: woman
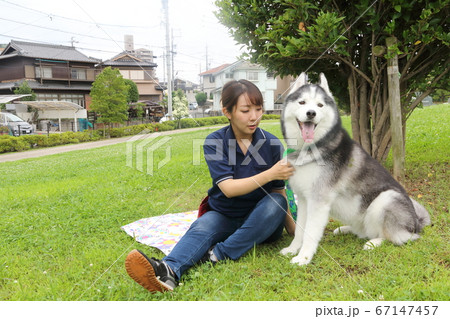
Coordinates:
[247,204]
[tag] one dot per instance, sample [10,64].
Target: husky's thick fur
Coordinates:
[335,177]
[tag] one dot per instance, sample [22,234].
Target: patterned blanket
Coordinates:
[161,232]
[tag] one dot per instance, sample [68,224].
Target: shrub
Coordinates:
[12,144]
[186,123]
[166,126]
[270,117]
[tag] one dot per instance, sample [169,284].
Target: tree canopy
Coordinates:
[180,105]
[132,92]
[347,42]
[109,97]
[200,97]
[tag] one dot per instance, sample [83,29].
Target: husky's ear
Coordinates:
[301,80]
[324,83]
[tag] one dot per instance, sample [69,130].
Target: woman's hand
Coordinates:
[282,170]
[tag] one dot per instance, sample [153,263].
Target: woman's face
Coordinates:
[245,117]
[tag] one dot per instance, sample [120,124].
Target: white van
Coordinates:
[16,125]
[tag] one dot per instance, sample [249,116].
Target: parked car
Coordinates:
[166,118]
[427,101]
[16,125]
[193,106]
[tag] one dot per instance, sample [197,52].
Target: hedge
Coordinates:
[25,142]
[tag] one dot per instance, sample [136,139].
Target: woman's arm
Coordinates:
[237,187]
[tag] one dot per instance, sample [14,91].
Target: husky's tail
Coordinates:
[422,215]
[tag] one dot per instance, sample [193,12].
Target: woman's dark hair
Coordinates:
[232,90]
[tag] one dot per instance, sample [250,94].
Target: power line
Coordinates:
[192,59]
[51,15]
[67,32]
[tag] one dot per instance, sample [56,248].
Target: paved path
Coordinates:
[8,157]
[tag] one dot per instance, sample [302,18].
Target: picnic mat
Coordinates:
[161,232]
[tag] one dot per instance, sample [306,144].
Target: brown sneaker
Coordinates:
[152,274]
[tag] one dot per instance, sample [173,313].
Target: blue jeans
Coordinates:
[233,237]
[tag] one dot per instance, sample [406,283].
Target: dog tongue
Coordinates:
[308,131]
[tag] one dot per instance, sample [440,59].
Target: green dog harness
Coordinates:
[289,193]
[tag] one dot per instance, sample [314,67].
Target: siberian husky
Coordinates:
[335,177]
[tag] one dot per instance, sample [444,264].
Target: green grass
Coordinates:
[60,236]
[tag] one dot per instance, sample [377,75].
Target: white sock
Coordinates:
[212,256]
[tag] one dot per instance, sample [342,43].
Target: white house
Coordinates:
[214,80]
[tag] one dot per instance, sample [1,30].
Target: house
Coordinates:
[283,88]
[272,88]
[189,88]
[209,79]
[185,85]
[54,72]
[139,68]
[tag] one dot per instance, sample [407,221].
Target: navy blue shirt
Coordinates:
[226,160]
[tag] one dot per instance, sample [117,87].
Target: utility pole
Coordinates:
[168,59]
[199,76]
[172,51]
[207,67]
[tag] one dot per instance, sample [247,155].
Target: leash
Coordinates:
[289,193]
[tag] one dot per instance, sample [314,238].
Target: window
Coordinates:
[252,76]
[78,74]
[44,72]
[125,74]
[46,97]
[228,75]
[136,74]
[132,74]
[74,98]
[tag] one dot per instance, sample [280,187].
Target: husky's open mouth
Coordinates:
[307,129]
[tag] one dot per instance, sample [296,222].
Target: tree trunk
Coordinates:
[364,119]
[395,109]
[364,109]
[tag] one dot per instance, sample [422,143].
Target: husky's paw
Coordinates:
[371,244]
[300,260]
[289,251]
[342,230]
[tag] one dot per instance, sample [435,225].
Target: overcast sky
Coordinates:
[97,28]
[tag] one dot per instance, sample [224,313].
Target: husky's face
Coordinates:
[309,112]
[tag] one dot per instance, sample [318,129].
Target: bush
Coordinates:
[185,123]
[12,144]
[25,142]
[270,117]
[165,126]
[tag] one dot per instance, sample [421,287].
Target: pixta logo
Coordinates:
[141,151]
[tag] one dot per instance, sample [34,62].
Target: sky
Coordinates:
[97,29]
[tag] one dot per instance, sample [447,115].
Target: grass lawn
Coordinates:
[60,236]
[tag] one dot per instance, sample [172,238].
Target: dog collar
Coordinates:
[288,151]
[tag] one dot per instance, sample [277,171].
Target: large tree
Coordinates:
[347,41]
[109,97]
